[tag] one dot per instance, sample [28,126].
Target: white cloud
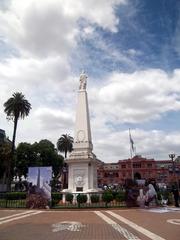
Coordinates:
[54,119]
[151,144]
[46,83]
[34,77]
[133,52]
[44,34]
[50,27]
[138,97]
[120,100]
[134,98]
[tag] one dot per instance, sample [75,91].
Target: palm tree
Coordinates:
[16,107]
[65,144]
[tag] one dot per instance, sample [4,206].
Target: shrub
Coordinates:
[69,197]
[114,193]
[94,198]
[15,195]
[56,197]
[120,196]
[107,197]
[164,194]
[81,198]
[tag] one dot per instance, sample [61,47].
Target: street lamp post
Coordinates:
[172,157]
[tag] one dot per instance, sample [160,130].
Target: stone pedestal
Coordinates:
[82,174]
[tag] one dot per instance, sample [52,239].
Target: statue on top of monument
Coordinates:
[83,81]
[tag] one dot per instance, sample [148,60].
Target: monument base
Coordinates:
[88,192]
[82,173]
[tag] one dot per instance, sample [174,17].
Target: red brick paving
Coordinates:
[40,226]
[155,222]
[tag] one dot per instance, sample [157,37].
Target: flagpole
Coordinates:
[134,151]
[132,170]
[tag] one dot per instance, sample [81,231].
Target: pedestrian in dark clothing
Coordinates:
[175,192]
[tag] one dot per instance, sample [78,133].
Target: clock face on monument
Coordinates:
[80,135]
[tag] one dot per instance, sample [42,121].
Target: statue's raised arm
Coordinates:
[83,81]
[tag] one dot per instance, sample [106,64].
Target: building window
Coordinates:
[149,165]
[123,166]
[136,165]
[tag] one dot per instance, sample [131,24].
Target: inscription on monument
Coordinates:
[79,181]
[80,135]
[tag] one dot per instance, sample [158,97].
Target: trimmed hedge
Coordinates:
[81,198]
[69,197]
[15,195]
[55,198]
[107,197]
[120,196]
[95,198]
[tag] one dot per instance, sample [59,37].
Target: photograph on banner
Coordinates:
[39,194]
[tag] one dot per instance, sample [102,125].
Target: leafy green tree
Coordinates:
[50,157]
[24,158]
[5,157]
[65,144]
[15,108]
[38,154]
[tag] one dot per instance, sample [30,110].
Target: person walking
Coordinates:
[175,192]
[150,195]
[141,198]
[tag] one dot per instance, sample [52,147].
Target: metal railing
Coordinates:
[62,202]
[7,202]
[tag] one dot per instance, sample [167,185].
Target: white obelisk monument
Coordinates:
[82,173]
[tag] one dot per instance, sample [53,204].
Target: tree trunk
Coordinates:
[14,134]
[12,155]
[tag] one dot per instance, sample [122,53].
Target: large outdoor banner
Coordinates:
[39,193]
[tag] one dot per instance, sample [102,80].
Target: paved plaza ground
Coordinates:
[108,224]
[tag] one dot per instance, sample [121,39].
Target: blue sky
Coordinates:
[130,50]
[150,29]
[45,175]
